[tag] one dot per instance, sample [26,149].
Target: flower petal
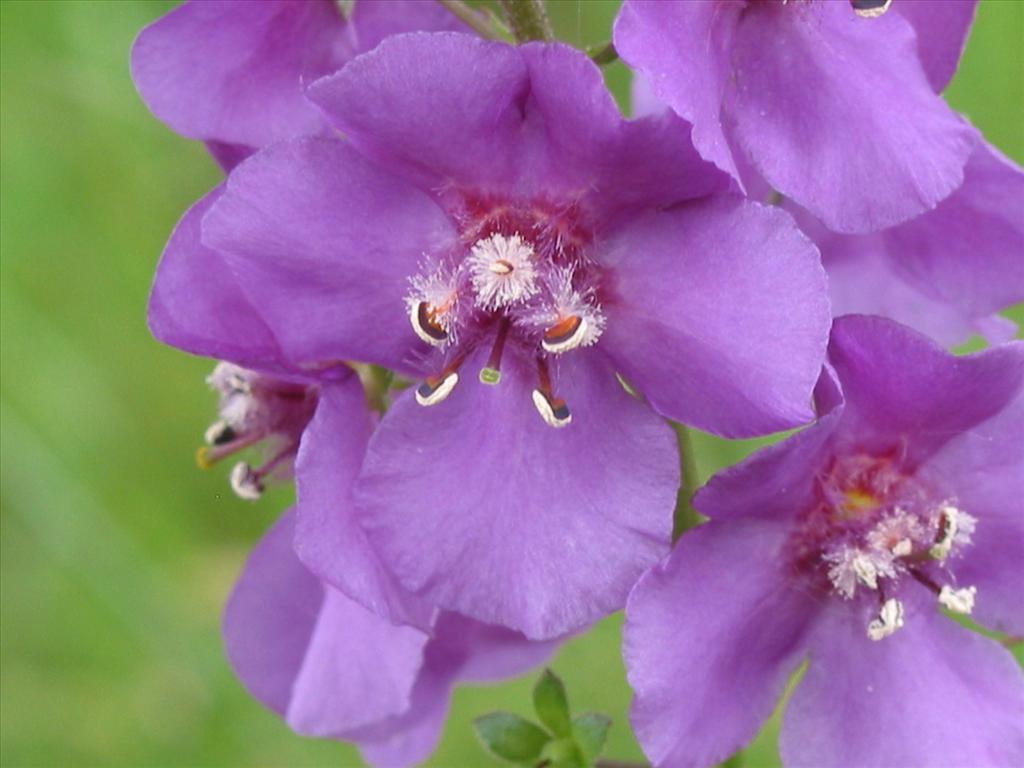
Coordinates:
[310,653]
[460,650]
[900,384]
[479,506]
[197,304]
[328,539]
[683,49]
[945,272]
[969,253]
[232,72]
[270,617]
[720,315]
[374,20]
[323,242]
[359,669]
[836,113]
[712,636]
[934,694]
[489,653]
[942,30]
[442,106]
[779,480]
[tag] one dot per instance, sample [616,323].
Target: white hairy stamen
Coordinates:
[566,302]
[439,290]
[502,271]
[890,618]
[246,483]
[850,566]
[958,600]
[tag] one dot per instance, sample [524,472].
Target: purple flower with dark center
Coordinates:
[494,229]
[948,271]
[333,669]
[844,545]
[834,103]
[231,72]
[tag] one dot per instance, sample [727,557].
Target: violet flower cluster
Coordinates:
[466,303]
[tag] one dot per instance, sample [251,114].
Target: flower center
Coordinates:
[519,282]
[877,527]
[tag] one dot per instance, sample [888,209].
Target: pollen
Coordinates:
[958,600]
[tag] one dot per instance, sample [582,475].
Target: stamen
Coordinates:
[958,600]
[949,527]
[436,388]
[207,456]
[870,9]
[491,373]
[890,618]
[245,482]
[565,335]
[219,433]
[553,410]
[424,322]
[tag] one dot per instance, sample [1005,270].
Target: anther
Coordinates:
[219,433]
[436,388]
[553,410]
[870,9]
[565,335]
[890,618]
[958,600]
[949,526]
[246,482]
[424,322]
[902,548]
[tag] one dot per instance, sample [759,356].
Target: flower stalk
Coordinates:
[527,20]
[686,516]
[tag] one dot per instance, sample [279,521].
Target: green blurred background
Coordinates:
[117,553]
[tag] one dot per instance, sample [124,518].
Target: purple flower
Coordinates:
[945,273]
[841,546]
[334,669]
[231,72]
[492,214]
[835,106]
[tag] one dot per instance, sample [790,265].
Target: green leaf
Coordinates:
[511,737]
[551,703]
[590,730]
[562,753]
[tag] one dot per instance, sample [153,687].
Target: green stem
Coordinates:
[603,54]
[480,21]
[527,20]
[686,516]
